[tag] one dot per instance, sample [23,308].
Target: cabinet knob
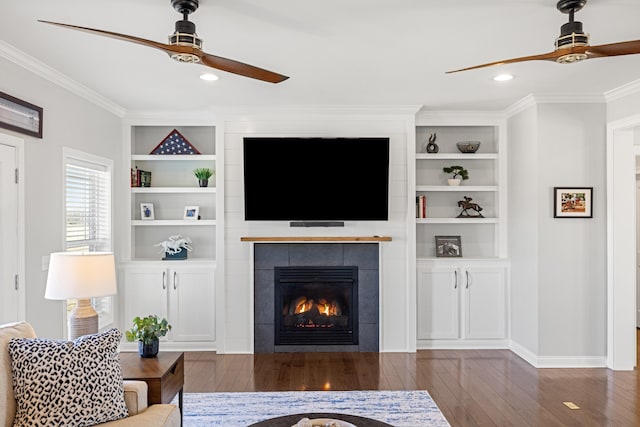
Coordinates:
[467,272]
[164,280]
[455,286]
[175,285]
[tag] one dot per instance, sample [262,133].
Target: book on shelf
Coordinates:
[421,206]
[140,178]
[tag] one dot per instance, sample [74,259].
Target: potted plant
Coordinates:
[147,331]
[458,174]
[203,175]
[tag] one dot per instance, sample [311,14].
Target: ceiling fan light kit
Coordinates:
[185,45]
[573,43]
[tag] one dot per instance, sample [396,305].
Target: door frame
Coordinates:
[18,144]
[621,243]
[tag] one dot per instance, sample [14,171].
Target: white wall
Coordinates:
[572,269]
[559,268]
[523,228]
[68,121]
[397,321]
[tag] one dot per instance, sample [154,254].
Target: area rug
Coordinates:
[413,408]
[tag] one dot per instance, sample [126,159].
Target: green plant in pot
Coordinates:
[147,331]
[458,174]
[203,175]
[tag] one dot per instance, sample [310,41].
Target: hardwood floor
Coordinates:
[471,387]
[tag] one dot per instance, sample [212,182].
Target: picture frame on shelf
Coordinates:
[573,202]
[448,247]
[146,212]
[20,116]
[191,213]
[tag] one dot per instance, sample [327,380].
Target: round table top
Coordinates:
[291,420]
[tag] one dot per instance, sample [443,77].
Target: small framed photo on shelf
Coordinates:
[572,202]
[448,247]
[146,212]
[191,212]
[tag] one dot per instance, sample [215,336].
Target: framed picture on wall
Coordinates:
[20,116]
[146,211]
[573,202]
[448,246]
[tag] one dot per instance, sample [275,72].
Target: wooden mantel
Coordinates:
[317,239]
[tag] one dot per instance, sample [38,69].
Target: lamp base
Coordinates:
[83,320]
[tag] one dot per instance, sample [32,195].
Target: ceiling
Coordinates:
[337,52]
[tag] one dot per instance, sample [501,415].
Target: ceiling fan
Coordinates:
[185,45]
[573,44]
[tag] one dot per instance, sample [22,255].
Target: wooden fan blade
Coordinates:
[551,56]
[133,39]
[206,59]
[241,68]
[614,49]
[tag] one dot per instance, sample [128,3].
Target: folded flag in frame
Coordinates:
[175,143]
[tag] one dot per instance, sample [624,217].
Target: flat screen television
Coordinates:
[316,179]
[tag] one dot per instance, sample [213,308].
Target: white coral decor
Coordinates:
[175,244]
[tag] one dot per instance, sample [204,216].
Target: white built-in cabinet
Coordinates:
[182,291]
[462,302]
[182,294]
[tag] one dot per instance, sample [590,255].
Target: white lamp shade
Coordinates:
[81,275]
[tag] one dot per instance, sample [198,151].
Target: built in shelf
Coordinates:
[457,156]
[317,239]
[173,189]
[174,157]
[457,220]
[462,188]
[164,222]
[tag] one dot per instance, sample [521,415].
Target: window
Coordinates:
[87,214]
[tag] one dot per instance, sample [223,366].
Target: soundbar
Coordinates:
[316,224]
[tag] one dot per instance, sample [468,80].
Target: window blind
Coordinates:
[88,217]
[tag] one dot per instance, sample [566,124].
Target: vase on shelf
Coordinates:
[454,181]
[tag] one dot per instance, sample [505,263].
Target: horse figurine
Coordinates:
[175,244]
[466,204]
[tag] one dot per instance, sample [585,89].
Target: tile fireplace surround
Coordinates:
[363,255]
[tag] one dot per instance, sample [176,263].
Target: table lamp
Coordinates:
[81,276]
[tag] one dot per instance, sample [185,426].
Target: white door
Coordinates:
[145,293]
[485,301]
[191,304]
[637,252]
[9,285]
[438,303]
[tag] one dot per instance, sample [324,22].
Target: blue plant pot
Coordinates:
[148,350]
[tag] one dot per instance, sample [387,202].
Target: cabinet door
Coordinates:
[485,302]
[145,293]
[438,303]
[192,305]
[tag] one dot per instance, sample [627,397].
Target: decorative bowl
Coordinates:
[468,146]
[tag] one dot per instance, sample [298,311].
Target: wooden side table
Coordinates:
[163,374]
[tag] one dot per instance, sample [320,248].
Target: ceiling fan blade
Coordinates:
[206,59]
[240,68]
[551,56]
[614,49]
[133,39]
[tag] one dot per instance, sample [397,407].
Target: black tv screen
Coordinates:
[316,179]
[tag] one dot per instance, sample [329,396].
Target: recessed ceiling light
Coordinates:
[503,77]
[209,77]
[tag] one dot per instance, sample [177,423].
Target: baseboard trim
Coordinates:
[462,345]
[545,362]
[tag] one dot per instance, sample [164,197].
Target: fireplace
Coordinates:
[316,305]
[357,294]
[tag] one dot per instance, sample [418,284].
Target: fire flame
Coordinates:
[326,308]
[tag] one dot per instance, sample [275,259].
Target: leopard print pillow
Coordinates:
[71,383]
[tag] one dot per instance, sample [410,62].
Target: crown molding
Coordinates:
[536,99]
[366,110]
[622,91]
[39,68]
